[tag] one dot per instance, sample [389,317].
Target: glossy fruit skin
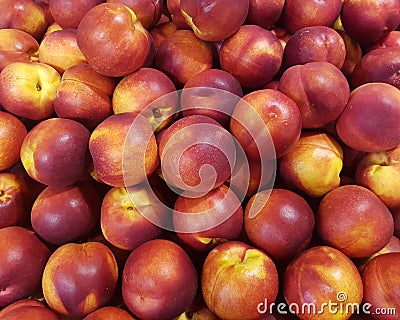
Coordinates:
[55,152]
[123,45]
[12,136]
[242,271]
[370,106]
[266,122]
[23,258]
[381,283]
[354,220]
[27,309]
[66,214]
[214,20]
[280,222]
[151,294]
[253,55]
[379,65]
[321,274]
[320,90]
[83,292]
[313,44]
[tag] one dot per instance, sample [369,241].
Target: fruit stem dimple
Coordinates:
[156,113]
[38,87]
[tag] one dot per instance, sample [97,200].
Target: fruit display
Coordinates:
[199,159]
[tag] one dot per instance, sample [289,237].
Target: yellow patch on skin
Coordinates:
[157,118]
[253,261]
[132,13]
[90,304]
[11,183]
[112,263]
[189,21]
[50,293]
[27,158]
[319,177]
[205,240]
[183,316]
[48,79]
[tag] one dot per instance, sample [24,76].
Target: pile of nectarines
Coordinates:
[199,159]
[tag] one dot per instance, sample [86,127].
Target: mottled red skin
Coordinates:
[312,44]
[84,95]
[23,257]
[66,214]
[319,89]
[14,200]
[60,50]
[69,13]
[123,223]
[214,20]
[264,13]
[317,275]
[282,223]
[221,202]
[79,278]
[142,92]
[108,149]
[161,31]
[55,152]
[253,55]
[379,65]
[182,169]
[299,14]
[182,55]
[396,218]
[381,278]
[109,313]
[371,106]
[280,116]
[174,10]
[120,256]
[12,134]
[215,104]
[352,219]
[159,280]
[27,309]
[24,15]
[234,270]
[124,44]
[390,41]
[16,45]
[148,11]
[369,21]
[392,246]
